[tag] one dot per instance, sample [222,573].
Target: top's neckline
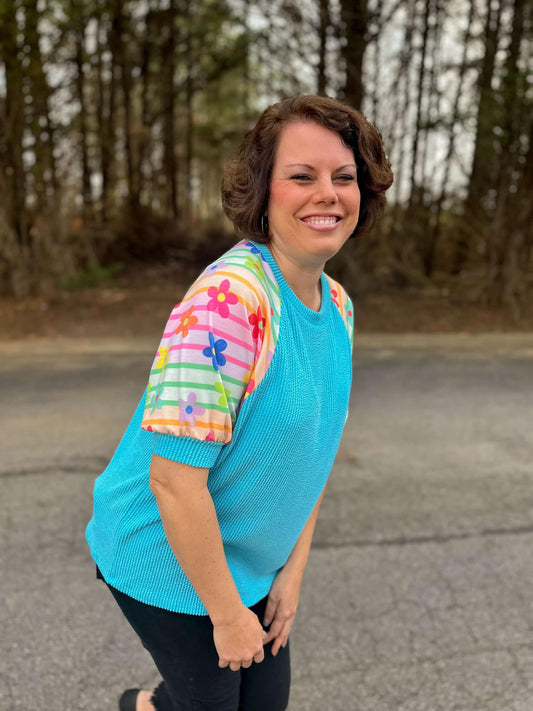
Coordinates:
[289,293]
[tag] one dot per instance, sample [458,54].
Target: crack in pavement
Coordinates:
[417,540]
[84,466]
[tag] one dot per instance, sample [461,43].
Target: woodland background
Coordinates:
[116,117]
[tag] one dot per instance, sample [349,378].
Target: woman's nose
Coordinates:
[325,192]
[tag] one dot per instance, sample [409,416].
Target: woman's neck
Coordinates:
[304,280]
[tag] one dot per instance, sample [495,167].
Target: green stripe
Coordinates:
[174,366]
[175,403]
[253,271]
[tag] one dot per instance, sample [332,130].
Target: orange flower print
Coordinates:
[186,321]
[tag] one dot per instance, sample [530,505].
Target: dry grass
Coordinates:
[137,302]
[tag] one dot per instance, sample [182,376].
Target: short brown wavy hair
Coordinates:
[245,186]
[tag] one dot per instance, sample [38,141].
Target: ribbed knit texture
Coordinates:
[264,483]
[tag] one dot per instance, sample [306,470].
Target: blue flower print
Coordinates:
[217,265]
[214,351]
[255,250]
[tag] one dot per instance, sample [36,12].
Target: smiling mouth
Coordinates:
[321,220]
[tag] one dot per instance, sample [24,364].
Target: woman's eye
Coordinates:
[345,178]
[301,177]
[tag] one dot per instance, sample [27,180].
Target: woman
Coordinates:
[203,519]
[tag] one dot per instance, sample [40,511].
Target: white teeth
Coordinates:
[321,220]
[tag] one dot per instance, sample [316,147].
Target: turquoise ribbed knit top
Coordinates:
[254,385]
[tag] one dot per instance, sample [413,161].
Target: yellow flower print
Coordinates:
[163,357]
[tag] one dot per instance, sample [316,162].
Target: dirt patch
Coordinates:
[138,303]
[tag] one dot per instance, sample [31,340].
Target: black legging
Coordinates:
[183,650]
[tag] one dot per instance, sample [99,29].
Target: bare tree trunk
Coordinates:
[499,233]
[169,111]
[123,65]
[374,39]
[41,125]
[146,113]
[520,231]
[106,112]
[430,258]
[483,163]
[247,65]
[415,194]
[189,113]
[322,48]
[403,100]
[79,34]
[433,92]
[14,124]
[354,19]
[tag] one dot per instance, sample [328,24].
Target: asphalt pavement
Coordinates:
[417,595]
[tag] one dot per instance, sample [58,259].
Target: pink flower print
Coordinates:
[210,437]
[334,297]
[220,298]
[186,321]
[258,321]
[163,357]
[189,410]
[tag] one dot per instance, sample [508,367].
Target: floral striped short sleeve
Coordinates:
[215,349]
[343,302]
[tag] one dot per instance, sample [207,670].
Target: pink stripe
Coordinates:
[246,366]
[199,307]
[231,317]
[225,336]
[190,346]
[240,321]
[216,332]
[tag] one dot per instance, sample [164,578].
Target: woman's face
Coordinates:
[314,198]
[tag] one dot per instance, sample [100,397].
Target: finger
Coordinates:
[273,632]
[275,647]
[281,639]
[246,663]
[222,663]
[259,656]
[270,612]
[235,666]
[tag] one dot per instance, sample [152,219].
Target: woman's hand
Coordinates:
[240,641]
[281,607]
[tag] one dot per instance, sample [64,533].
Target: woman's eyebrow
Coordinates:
[310,167]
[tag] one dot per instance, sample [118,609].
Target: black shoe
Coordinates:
[128,700]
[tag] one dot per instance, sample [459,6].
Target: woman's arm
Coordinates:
[285,591]
[191,527]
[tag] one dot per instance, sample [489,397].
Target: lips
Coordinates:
[321,219]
